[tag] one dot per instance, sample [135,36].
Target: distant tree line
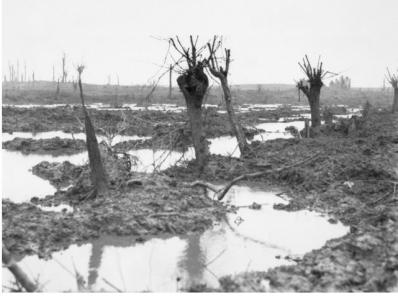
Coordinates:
[344,82]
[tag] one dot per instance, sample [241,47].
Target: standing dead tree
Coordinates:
[393,80]
[170,81]
[222,75]
[98,175]
[193,83]
[311,88]
[64,73]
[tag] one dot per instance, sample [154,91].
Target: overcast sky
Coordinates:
[267,37]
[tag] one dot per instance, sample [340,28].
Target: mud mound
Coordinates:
[54,146]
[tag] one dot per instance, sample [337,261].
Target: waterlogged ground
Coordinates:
[250,240]
[17,166]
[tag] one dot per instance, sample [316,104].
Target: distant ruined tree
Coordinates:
[98,175]
[393,80]
[221,73]
[311,88]
[64,72]
[193,83]
[57,91]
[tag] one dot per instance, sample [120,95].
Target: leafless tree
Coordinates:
[393,80]
[311,87]
[193,83]
[64,73]
[222,74]
[98,175]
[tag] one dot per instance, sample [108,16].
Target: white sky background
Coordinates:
[267,38]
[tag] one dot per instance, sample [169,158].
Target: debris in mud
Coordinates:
[54,146]
[255,206]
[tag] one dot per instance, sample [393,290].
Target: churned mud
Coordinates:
[139,205]
[353,179]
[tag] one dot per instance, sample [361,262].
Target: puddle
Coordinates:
[60,208]
[18,182]
[169,264]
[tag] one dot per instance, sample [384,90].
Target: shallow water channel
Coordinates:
[250,240]
[19,184]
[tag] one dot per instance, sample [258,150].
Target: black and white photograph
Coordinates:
[208,146]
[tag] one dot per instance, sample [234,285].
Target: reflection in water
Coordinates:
[193,261]
[95,262]
[226,249]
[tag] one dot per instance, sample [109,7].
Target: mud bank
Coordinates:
[352,180]
[59,174]
[145,208]
[54,146]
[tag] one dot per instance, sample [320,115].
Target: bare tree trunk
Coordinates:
[98,175]
[18,273]
[198,135]
[235,125]
[395,103]
[313,99]
[170,81]
[63,68]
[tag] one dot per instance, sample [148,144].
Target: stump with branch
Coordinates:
[393,80]
[221,73]
[98,175]
[311,88]
[193,83]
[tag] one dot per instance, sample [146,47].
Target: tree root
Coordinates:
[221,192]
[18,273]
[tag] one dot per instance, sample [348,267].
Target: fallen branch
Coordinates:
[221,192]
[18,273]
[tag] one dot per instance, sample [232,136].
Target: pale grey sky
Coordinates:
[356,37]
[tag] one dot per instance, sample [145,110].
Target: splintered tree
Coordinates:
[193,83]
[311,87]
[393,80]
[64,73]
[222,74]
[98,175]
